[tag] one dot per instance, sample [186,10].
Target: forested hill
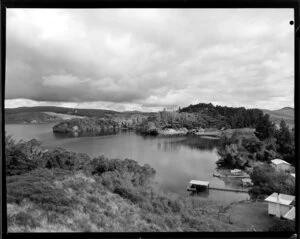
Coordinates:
[234,117]
[286,114]
[43,114]
[61,110]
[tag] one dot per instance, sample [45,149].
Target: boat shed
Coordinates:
[196,185]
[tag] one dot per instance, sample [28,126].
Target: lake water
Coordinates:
[175,159]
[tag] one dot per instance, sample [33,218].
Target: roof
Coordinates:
[290,215]
[201,183]
[246,180]
[279,161]
[284,199]
[236,171]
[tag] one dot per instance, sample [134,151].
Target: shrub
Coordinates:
[61,158]
[267,180]
[283,226]
[17,162]
[128,194]
[25,219]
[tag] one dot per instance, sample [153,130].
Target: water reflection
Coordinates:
[194,142]
[202,193]
[102,132]
[168,146]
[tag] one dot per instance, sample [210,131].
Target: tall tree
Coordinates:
[265,128]
[284,133]
[284,139]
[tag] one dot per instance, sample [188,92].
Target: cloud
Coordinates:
[151,57]
[63,80]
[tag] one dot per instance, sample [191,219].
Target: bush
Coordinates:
[129,194]
[267,180]
[17,162]
[283,226]
[61,158]
[25,219]
[128,169]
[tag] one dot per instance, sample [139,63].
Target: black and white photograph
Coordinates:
[150,120]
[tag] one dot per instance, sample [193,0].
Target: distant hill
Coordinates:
[61,110]
[42,114]
[287,114]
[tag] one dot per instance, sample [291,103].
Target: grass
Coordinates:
[251,216]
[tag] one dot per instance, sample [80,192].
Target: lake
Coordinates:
[177,160]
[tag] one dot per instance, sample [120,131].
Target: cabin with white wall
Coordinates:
[290,215]
[279,204]
[280,164]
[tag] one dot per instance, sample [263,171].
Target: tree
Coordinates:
[265,128]
[284,139]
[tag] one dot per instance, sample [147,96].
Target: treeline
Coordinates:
[85,126]
[229,116]
[264,144]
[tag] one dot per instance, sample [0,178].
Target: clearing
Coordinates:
[251,215]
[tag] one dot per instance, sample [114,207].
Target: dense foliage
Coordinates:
[241,149]
[254,151]
[267,180]
[80,126]
[283,226]
[265,128]
[22,157]
[229,116]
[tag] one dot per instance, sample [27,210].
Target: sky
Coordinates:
[149,59]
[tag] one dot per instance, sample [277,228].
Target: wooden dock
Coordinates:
[230,189]
[230,176]
[196,185]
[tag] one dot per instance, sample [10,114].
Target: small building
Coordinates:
[236,172]
[279,204]
[280,164]
[196,185]
[247,182]
[293,175]
[290,215]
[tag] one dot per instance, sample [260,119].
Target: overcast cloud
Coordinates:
[148,59]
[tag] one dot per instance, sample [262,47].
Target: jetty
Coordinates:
[197,185]
[230,176]
[230,189]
